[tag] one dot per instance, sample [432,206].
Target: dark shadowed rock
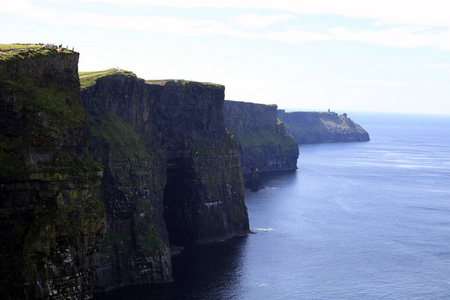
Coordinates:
[172,172]
[52,220]
[255,182]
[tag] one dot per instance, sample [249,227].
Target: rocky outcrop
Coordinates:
[51,220]
[172,172]
[263,141]
[322,127]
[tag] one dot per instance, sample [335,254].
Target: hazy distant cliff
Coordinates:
[322,127]
[172,172]
[51,219]
[263,141]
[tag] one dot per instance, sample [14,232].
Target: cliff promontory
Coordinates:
[52,221]
[322,127]
[172,172]
[263,141]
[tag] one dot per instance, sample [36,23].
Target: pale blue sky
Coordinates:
[344,55]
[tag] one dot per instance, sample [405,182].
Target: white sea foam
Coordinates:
[264,229]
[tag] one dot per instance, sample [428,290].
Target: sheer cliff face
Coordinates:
[204,196]
[263,141]
[122,136]
[318,127]
[52,222]
[172,173]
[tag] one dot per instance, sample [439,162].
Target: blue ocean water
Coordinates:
[355,221]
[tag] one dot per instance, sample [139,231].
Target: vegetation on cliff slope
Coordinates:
[121,139]
[25,51]
[51,98]
[182,81]
[263,136]
[51,110]
[52,220]
[117,135]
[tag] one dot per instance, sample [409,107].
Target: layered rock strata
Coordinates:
[52,221]
[322,127]
[172,172]
[263,141]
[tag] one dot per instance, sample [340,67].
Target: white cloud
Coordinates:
[438,65]
[382,11]
[423,13]
[254,21]
[296,36]
[405,37]
[146,23]
[26,8]
[369,82]
[382,83]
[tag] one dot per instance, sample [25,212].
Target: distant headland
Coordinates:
[322,127]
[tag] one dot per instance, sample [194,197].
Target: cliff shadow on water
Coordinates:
[207,271]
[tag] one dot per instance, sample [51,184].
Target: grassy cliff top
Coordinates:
[163,82]
[21,51]
[8,47]
[251,103]
[88,79]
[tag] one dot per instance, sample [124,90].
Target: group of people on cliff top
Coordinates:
[44,46]
[53,46]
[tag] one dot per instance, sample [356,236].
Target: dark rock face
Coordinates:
[322,127]
[52,222]
[172,173]
[204,196]
[263,141]
[255,182]
[135,249]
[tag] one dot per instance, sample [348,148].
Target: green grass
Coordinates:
[61,103]
[263,136]
[148,238]
[32,51]
[163,82]
[120,136]
[7,47]
[88,79]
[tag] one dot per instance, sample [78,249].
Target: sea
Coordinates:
[356,221]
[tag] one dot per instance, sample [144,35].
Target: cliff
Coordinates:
[51,219]
[322,127]
[263,141]
[172,172]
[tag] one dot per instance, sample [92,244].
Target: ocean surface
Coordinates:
[355,221]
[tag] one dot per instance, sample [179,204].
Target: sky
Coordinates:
[346,55]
